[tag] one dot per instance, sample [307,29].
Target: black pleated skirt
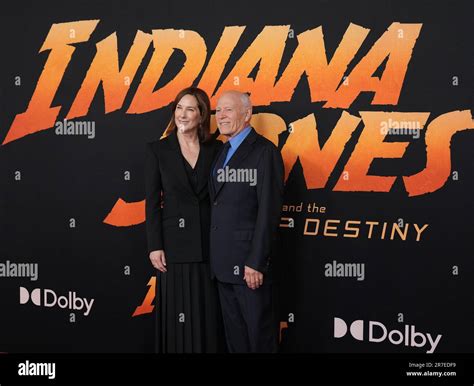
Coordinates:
[188,316]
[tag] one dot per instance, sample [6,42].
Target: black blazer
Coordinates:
[177,219]
[245,218]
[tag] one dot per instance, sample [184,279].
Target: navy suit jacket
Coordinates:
[245,218]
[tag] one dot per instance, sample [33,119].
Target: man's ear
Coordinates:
[248,115]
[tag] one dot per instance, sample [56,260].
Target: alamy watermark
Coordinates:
[393,127]
[335,269]
[66,127]
[237,175]
[10,269]
[47,369]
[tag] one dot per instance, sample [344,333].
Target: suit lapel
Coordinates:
[203,163]
[211,179]
[243,150]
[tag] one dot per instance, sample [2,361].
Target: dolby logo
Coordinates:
[377,333]
[48,298]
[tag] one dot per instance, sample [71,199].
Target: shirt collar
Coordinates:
[239,138]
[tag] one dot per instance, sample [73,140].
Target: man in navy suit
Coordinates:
[246,189]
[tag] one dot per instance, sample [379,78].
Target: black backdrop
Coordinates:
[427,284]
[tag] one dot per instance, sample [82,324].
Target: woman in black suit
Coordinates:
[177,223]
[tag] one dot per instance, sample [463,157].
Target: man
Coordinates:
[246,190]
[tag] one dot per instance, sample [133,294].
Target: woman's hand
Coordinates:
[158,260]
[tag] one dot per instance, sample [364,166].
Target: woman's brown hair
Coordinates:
[204,106]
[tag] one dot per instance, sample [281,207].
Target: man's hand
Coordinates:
[253,278]
[158,260]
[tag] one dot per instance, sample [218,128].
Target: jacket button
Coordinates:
[215,203]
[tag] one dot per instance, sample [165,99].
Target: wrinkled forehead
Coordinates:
[229,100]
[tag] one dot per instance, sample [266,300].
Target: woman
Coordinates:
[177,222]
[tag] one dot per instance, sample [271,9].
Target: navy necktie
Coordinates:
[222,157]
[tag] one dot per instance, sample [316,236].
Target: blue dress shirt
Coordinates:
[235,142]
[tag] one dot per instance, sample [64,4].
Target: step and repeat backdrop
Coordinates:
[369,102]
